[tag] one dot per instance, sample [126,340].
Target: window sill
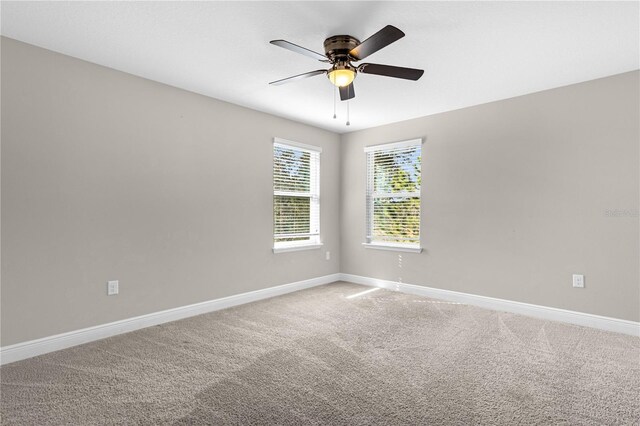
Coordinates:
[296,248]
[391,247]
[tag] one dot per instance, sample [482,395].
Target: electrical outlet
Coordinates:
[112,288]
[578,281]
[327,255]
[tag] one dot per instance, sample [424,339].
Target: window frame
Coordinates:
[371,196]
[314,241]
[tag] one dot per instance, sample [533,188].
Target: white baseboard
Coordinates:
[45,345]
[24,350]
[553,314]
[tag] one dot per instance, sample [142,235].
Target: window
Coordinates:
[296,196]
[393,195]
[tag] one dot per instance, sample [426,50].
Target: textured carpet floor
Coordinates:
[317,357]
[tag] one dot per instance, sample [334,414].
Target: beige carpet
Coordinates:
[316,357]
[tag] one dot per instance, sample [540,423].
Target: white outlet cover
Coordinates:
[112,288]
[578,280]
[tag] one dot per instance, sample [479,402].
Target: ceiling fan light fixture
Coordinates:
[341,50]
[341,76]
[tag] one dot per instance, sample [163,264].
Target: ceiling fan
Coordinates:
[341,51]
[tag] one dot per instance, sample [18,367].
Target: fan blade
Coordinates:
[347,92]
[298,77]
[299,49]
[381,39]
[391,71]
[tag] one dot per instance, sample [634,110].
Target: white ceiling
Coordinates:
[472,52]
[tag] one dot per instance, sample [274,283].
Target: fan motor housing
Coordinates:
[338,47]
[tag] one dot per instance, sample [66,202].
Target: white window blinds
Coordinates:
[296,194]
[393,194]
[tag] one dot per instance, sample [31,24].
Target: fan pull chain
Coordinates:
[348,122]
[348,102]
[334,101]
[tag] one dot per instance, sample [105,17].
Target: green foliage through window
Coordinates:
[295,195]
[393,194]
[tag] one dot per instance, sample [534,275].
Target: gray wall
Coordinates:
[110,176]
[515,199]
